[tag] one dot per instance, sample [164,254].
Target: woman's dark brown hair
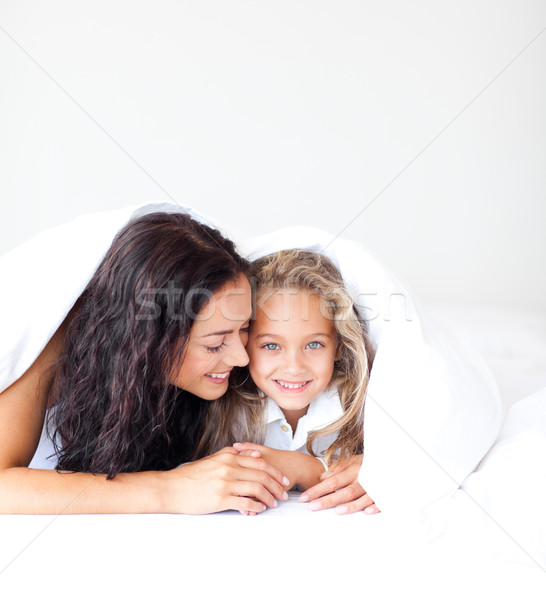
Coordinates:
[115,410]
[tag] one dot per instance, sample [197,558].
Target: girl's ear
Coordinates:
[338,353]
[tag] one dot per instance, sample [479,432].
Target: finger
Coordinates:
[254,491]
[248,472]
[253,453]
[356,505]
[246,446]
[341,496]
[333,471]
[254,463]
[372,509]
[245,505]
[328,486]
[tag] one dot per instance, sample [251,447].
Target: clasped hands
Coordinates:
[338,487]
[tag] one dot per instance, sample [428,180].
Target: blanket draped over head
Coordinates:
[432,408]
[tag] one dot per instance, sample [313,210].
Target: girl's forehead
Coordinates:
[289,305]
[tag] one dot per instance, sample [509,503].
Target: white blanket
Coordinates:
[433,413]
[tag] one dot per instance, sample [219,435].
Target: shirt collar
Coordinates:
[323,410]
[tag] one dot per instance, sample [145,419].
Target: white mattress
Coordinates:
[290,551]
[485,539]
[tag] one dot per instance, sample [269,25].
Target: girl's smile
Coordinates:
[291,387]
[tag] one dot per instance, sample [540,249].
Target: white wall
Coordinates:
[262,114]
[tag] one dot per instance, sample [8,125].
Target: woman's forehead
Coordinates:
[230,304]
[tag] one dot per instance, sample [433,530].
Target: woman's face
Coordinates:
[217,342]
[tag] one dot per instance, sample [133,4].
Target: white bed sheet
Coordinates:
[485,540]
[487,547]
[291,551]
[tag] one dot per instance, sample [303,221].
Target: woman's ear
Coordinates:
[338,353]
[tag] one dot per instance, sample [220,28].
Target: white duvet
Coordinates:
[460,481]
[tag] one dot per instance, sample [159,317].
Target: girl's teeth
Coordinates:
[291,386]
[218,375]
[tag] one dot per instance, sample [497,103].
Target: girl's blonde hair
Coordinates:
[241,413]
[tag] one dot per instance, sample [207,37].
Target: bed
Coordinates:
[474,528]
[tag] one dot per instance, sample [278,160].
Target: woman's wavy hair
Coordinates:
[114,409]
[243,408]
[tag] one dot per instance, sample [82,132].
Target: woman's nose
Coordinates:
[237,356]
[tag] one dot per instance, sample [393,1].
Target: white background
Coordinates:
[418,128]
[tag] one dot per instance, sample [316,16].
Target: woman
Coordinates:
[126,380]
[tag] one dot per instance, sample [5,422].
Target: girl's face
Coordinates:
[217,342]
[292,348]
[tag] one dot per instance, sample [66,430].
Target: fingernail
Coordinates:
[315,506]
[285,481]
[341,510]
[303,498]
[284,496]
[275,504]
[264,507]
[369,510]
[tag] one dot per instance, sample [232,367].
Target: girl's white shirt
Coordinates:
[323,410]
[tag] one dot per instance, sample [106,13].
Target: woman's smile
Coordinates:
[218,378]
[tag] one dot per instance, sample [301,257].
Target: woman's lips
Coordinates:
[217,378]
[292,387]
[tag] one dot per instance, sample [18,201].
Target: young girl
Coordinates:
[309,365]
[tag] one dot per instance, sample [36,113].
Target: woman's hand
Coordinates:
[225,480]
[339,487]
[301,469]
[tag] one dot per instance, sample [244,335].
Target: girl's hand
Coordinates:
[339,487]
[301,469]
[225,480]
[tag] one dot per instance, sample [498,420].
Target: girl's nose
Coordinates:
[293,362]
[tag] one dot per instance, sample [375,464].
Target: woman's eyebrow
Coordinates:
[225,332]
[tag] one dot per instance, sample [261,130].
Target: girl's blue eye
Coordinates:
[216,348]
[271,346]
[314,345]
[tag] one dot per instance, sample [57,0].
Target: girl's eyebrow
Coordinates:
[311,335]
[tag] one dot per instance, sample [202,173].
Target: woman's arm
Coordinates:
[222,481]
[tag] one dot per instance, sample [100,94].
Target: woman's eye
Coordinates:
[314,345]
[271,346]
[216,348]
